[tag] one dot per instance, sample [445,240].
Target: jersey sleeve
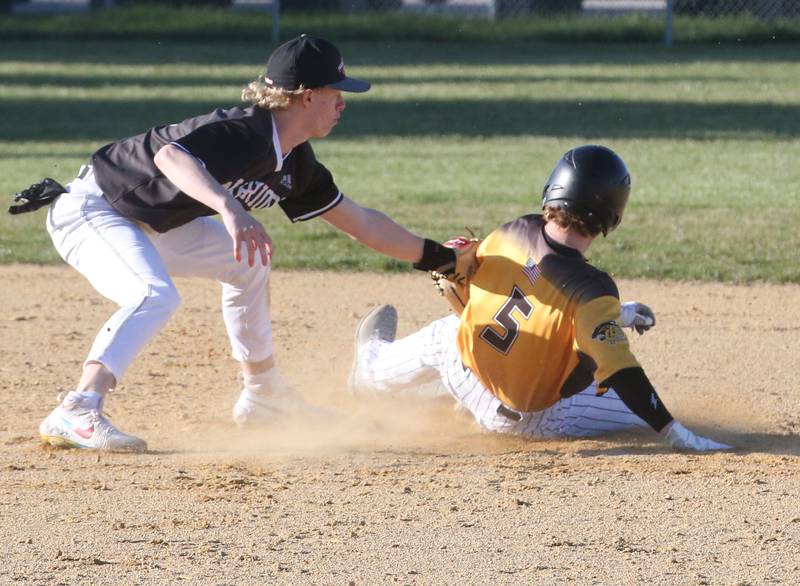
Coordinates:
[638,394]
[226,147]
[598,334]
[316,192]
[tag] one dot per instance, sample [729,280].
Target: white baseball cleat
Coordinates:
[254,409]
[79,427]
[380,324]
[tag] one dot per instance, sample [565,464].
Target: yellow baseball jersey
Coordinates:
[541,322]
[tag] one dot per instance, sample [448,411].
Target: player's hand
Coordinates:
[248,233]
[466,248]
[681,438]
[637,316]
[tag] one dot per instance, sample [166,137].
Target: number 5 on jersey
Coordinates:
[507,322]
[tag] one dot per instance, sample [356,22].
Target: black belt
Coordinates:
[501,409]
[508,413]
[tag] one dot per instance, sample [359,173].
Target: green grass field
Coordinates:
[457,134]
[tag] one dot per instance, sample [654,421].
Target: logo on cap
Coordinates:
[311,63]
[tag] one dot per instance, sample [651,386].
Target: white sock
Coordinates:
[84,399]
[264,383]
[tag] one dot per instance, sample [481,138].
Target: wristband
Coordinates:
[436,257]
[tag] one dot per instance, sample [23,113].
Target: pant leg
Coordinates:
[119,261]
[472,395]
[588,415]
[412,364]
[432,351]
[582,415]
[203,248]
[429,359]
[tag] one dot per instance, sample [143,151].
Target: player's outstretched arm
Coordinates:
[638,394]
[376,230]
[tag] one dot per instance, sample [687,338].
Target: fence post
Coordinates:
[276,21]
[668,24]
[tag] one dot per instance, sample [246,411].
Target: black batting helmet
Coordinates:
[591,182]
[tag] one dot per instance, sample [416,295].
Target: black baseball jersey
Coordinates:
[541,322]
[241,150]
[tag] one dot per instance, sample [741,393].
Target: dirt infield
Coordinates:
[394,491]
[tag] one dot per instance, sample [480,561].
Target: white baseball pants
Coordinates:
[133,266]
[430,359]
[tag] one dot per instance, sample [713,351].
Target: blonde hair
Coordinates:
[269,97]
[570,221]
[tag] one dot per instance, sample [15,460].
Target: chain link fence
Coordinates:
[761,9]
[664,11]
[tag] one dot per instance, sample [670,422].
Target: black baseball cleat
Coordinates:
[380,324]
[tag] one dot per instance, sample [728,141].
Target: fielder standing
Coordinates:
[538,349]
[136,217]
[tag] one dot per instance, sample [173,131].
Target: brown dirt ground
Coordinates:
[394,491]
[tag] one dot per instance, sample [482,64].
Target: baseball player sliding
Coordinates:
[137,216]
[539,348]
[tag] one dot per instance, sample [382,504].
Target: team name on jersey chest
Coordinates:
[256,194]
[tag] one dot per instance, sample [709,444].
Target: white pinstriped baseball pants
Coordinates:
[133,267]
[428,361]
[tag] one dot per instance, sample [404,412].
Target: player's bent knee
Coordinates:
[164,299]
[247,277]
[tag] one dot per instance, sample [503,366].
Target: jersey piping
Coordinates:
[320,211]
[276,143]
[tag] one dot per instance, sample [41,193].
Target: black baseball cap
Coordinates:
[311,62]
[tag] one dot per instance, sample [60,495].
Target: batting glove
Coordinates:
[637,316]
[36,196]
[681,438]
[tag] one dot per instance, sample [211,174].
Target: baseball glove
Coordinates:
[455,287]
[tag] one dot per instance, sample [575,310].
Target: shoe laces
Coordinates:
[98,412]
[285,398]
